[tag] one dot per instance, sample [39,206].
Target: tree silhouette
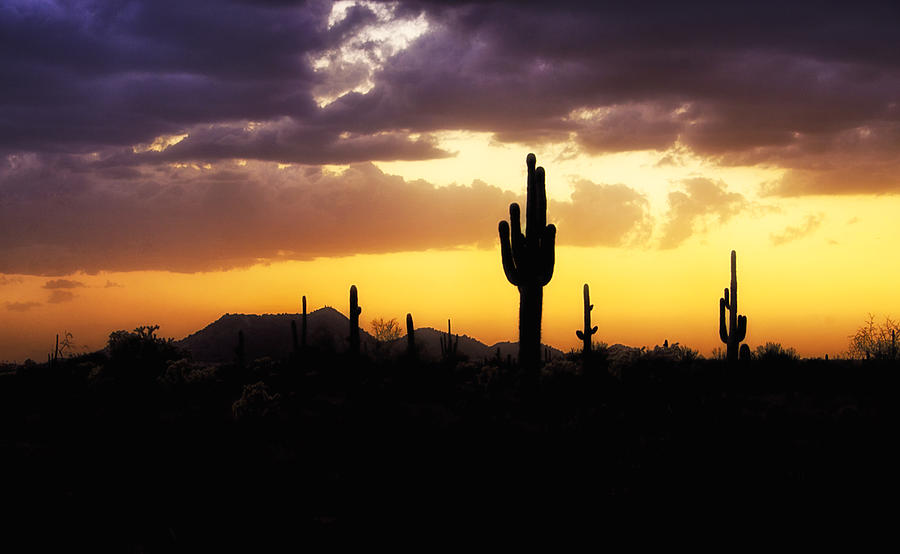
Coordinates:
[875,341]
[385,330]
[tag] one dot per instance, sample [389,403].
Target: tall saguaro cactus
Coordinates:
[410,336]
[737,324]
[303,327]
[448,345]
[588,330]
[355,310]
[528,261]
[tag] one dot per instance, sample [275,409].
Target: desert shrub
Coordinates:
[256,403]
[186,372]
[140,355]
[774,352]
[875,341]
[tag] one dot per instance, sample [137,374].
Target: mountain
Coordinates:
[270,335]
[328,329]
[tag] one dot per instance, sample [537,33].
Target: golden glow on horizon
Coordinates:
[479,157]
[810,293]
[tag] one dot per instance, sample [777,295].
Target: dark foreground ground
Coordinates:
[136,452]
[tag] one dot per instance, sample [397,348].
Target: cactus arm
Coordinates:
[579,334]
[548,255]
[593,329]
[530,195]
[723,329]
[506,255]
[539,213]
[741,332]
[517,239]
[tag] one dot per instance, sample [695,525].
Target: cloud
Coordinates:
[21,306]
[60,296]
[701,199]
[256,81]
[62,284]
[606,215]
[4,280]
[122,123]
[110,284]
[191,219]
[792,233]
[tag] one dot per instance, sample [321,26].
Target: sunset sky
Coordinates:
[166,162]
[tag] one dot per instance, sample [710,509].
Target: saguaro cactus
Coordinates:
[734,333]
[448,345]
[303,327]
[355,310]
[585,335]
[528,261]
[410,336]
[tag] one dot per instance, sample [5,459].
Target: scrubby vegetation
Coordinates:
[163,451]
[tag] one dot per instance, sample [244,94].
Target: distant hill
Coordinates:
[270,335]
[328,329]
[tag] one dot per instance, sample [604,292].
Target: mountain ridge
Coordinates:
[269,335]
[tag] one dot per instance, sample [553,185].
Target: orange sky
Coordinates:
[168,163]
[809,291]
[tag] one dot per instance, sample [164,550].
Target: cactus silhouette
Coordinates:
[355,310]
[736,331]
[448,345]
[410,336]
[528,261]
[585,335]
[303,327]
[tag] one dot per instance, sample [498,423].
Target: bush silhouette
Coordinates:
[875,341]
[140,354]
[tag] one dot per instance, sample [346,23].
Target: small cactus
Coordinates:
[448,345]
[355,310]
[736,331]
[303,327]
[528,261]
[585,335]
[410,336]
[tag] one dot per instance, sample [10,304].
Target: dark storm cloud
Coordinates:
[741,83]
[771,83]
[192,219]
[89,86]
